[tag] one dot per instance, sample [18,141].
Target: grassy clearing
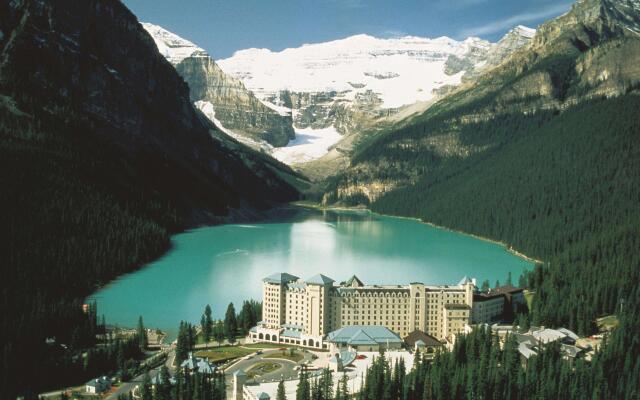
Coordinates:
[259,346]
[607,323]
[223,353]
[295,357]
[262,368]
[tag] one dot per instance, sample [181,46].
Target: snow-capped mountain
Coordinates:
[325,90]
[512,41]
[171,46]
[222,98]
[398,71]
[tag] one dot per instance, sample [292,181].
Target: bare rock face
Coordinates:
[590,52]
[233,107]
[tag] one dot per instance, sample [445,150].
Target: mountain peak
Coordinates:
[524,31]
[173,47]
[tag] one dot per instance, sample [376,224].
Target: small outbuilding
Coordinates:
[98,385]
[422,342]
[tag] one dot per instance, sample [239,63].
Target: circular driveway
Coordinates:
[286,370]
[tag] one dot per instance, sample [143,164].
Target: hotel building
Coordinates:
[303,312]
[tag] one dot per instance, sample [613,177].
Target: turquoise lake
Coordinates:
[222,264]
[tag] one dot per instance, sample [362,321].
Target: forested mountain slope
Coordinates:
[593,50]
[102,156]
[540,152]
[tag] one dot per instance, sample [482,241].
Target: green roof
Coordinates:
[352,280]
[363,335]
[319,280]
[281,277]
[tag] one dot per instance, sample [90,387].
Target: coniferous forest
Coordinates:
[103,156]
[565,191]
[560,187]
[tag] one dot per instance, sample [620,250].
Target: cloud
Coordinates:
[507,23]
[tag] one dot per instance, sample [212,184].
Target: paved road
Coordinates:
[286,370]
[126,387]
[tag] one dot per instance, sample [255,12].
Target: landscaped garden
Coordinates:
[262,368]
[223,353]
[290,354]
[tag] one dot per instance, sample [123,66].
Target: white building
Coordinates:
[98,385]
[304,312]
[497,304]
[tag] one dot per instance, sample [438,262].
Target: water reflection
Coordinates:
[221,264]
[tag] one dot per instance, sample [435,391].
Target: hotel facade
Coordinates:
[304,312]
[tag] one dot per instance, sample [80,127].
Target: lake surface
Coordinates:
[222,264]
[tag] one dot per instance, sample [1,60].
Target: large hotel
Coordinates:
[303,312]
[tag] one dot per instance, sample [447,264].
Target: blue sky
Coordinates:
[224,26]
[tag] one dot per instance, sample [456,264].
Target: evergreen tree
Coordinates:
[303,391]
[218,332]
[146,392]
[281,395]
[207,325]
[142,334]
[230,324]
[163,387]
[185,342]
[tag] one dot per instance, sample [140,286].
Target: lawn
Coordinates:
[262,368]
[295,357]
[259,346]
[223,353]
[607,323]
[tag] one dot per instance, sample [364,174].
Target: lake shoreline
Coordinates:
[507,247]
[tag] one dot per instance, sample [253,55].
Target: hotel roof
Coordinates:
[354,281]
[319,280]
[363,335]
[281,277]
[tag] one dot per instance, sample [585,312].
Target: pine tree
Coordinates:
[207,325]
[230,324]
[343,387]
[281,395]
[146,392]
[142,334]
[303,391]
[218,332]
[163,387]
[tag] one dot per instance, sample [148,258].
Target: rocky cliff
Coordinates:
[225,98]
[590,52]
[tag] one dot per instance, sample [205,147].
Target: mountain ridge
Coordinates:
[225,99]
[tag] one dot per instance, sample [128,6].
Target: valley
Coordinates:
[146,173]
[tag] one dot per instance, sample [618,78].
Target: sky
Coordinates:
[224,26]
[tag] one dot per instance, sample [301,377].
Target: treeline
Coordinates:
[63,235]
[233,325]
[184,385]
[563,188]
[318,387]
[479,367]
